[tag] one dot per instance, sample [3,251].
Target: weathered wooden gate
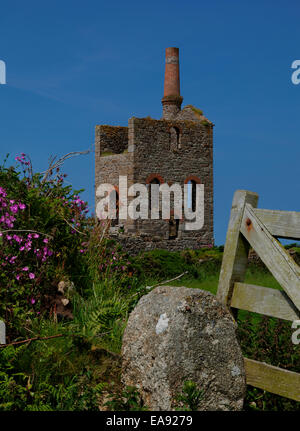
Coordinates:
[259,228]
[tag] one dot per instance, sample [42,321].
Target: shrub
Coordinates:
[267,339]
[127,399]
[21,389]
[163,264]
[42,229]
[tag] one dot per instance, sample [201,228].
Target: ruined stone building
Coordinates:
[178,148]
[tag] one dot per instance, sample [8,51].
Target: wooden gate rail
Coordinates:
[258,228]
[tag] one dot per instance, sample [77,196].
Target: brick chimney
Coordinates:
[172,100]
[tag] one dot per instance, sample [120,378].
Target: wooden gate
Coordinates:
[258,228]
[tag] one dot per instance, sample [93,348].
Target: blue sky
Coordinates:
[72,65]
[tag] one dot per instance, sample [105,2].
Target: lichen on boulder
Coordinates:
[176,334]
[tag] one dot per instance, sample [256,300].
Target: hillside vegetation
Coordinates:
[66,293]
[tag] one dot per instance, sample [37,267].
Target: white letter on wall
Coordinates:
[106,207]
[198,214]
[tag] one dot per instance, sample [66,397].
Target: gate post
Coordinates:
[235,257]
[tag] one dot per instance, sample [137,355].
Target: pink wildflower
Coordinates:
[14,209]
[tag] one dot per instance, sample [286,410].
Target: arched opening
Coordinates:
[175,139]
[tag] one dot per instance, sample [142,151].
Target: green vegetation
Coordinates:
[107,153]
[174,97]
[190,397]
[74,370]
[127,399]
[57,362]
[197,111]
[268,340]
[110,153]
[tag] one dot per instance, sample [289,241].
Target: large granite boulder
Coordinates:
[176,334]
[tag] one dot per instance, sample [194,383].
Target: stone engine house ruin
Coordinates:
[178,148]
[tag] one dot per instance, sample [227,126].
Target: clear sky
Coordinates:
[74,64]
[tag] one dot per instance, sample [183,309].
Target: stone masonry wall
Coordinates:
[135,244]
[108,167]
[153,156]
[111,139]
[145,150]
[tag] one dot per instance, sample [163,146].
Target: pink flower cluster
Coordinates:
[114,261]
[79,209]
[79,204]
[19,243]
[8,210]
[22,159]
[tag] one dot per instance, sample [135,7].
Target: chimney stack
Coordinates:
[172,100]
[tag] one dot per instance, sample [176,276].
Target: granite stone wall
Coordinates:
[108,166]
[154,156]
[111,139]
[173,151]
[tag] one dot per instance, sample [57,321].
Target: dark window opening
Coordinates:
[115,195]
[173,227]
[192,195]
[154,181]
